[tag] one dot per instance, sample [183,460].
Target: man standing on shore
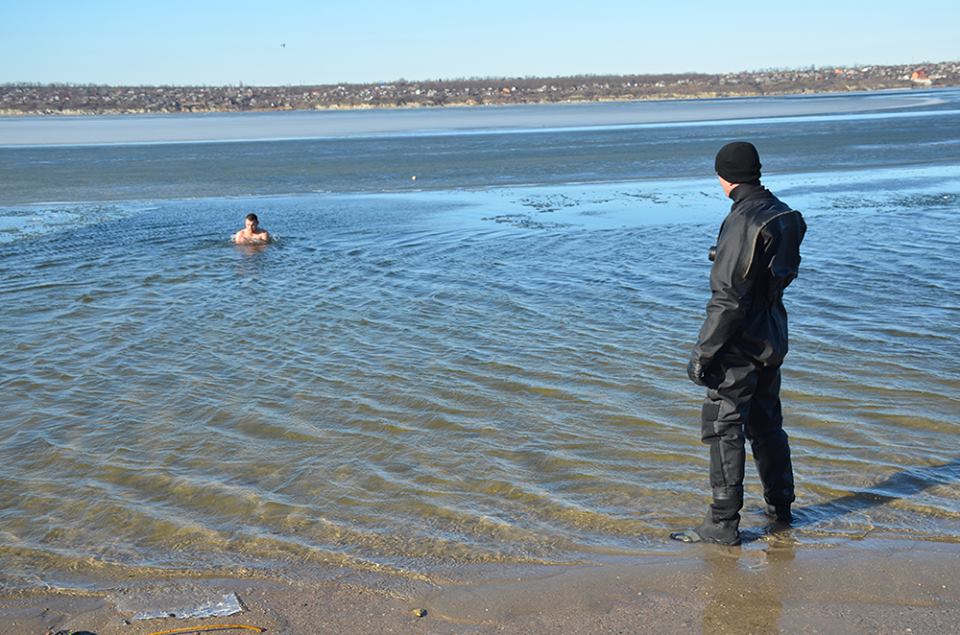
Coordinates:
[742,344]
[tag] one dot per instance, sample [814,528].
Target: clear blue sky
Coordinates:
[287,42]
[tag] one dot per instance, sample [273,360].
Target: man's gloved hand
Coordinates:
[696,372]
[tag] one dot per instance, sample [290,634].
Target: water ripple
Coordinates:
[401,389]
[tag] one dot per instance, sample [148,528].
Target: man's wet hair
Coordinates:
[253,217]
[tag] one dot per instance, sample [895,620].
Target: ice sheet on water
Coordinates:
[180,604]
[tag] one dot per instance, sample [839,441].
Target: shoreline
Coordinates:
[769,585]
[704,95]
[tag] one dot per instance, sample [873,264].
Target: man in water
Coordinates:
[252,233]
[742,344]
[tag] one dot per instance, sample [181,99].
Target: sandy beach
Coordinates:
[768,586]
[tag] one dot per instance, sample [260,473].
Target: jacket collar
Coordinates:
[745,191]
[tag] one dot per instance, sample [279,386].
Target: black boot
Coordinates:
[779,512]
[721,526]
[772,456]
[724,532]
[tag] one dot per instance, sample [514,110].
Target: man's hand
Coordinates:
[696,372]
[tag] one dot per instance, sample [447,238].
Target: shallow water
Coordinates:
[485,367]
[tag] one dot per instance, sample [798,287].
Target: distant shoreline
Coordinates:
[70,100]
[450,105]
[454,119]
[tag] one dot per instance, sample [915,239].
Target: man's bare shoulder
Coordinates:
[241,238]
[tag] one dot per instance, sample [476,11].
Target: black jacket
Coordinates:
[758,255]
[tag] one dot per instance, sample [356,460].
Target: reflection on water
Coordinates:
[900,488]
[744,596]
[453,376]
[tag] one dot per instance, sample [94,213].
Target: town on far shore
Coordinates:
[89,99]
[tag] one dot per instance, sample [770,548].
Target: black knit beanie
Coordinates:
[738,162]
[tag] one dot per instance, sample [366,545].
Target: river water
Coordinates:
[484,364]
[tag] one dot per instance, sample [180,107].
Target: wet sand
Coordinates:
[768,586]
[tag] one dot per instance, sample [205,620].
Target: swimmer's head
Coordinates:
[252,221]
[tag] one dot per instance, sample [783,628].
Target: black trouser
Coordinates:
[746,404]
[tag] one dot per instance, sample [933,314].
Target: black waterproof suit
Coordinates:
[741,346]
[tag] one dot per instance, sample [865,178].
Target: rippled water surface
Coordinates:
[485,364]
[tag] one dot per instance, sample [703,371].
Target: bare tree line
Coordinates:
[35,98]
